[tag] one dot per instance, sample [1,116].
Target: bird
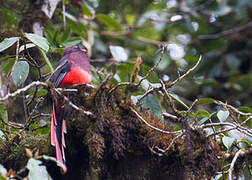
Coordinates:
[72,69]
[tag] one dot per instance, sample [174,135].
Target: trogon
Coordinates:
[73,68]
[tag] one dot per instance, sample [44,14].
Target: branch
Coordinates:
[240,128]
[145,77]
[35,83]
[88,113]
[171,116]
[227,32]
[169,98]
[170,145]
[153,127]
[237,154]
[232,108]
[184,75]
[147,93]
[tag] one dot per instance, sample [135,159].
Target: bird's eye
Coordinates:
[76,47]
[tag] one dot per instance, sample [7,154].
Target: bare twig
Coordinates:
[237,154]
[171,116]
[187,73]
[233,125]
[64,13]
[17,52]
[107,78]
[25,106]
[33,63]
[169,98]
[153,127]
[145,77]
[172,142]
[152,90]
[232,108]
[154,67]
[88,113]
[244,122]
[221,131]
[35,83]
[227,32]
[192,105]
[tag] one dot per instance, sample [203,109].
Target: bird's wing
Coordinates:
[62,68]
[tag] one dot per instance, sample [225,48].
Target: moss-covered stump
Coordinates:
[113,143]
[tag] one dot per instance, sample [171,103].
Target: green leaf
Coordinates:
[176,98]
[227,141]
[203,120]
[3,171]
[38,40]
[42,92]
[8,42]
[151,102]
[201,114]
[28,45]
[7,66]
[247,142]
[222,115]
[46,59]
[86,10]
[118,53]
[36,170]
[205,101]
[20,72]
[245,109]
[4,58]
[108,21]
[3,112]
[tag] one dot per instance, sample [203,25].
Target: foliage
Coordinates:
[115,34]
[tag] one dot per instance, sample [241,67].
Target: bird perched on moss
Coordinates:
[73,68]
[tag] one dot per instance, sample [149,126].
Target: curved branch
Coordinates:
[35,83]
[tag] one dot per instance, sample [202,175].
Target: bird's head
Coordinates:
[75,49]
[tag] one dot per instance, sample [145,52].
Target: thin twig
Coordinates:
[107,78]
[237,154]
[187,72]
[143,78]
[64,13]
[240,128]
[35,83]
[17,52]
[221,131]
[232,108]
[244,122]
[169,98]
[171,116]
[153,127]
[192,105]
[150,91]
[88,113]
[25,106]
[226,32]
[172,142]
[154,67]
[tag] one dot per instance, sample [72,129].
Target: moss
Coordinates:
[12,151]
[114,144]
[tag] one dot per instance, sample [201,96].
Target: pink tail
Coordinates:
[58,128]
